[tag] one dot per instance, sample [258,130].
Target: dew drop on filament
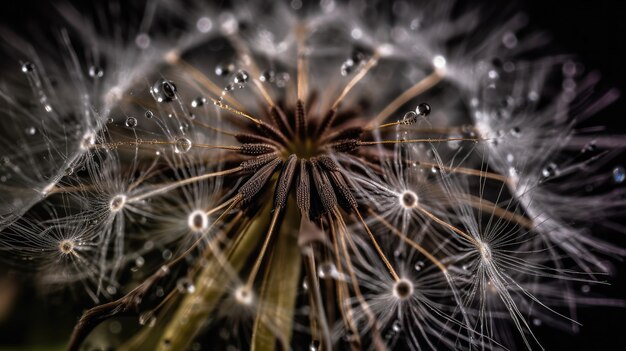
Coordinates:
[619,174]
[241,77]
[163,90]
[198,102]
[550,170]
[224,69]
[27,67]
[185,286]
[96,72]
[182,145]
[423,109]
[131,122]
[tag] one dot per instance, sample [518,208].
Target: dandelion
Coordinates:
[308,176]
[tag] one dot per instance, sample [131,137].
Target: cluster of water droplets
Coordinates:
[352,63]
[270,76]
[421,111]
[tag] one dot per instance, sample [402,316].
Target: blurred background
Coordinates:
[594,30]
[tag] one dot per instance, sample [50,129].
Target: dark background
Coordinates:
[596,32]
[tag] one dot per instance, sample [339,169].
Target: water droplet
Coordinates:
[185,286]
[111,290]
[229,87]
[409,118]
[314,346]
[28,67]
[282,79]
[423,109]
[148,319]
[585,288]
[516,132]
[537,322]
[419,265]
[31,130]
[619,174]
[139,261]
[509,40]
[198,102]
[347,67]
[550,170]
[131,122]
[182,145]
[163,90]
[204,24]
[96,72]
[241,77]
[149,114]
[327,270]
[268,76]
[142,40]
[397,326]
[224,69]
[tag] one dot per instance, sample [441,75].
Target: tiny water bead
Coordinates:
[149,114]
[224,69]
[96,72]
[327,270]
[619,174]
[182,145]
[241,77]
[131,122]
[27,67]
[204,24]
[198,102]
[423,109]
[148,319]
[185,286]
[268,76]
[550,170]
[163,90]
[352,63]
[31,130]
